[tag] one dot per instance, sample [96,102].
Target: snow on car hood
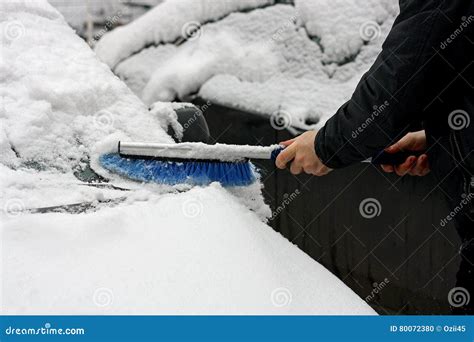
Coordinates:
[136,251]
[201,252]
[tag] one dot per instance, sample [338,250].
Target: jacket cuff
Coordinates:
[322,152]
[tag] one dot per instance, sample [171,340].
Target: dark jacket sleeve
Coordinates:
[392,95]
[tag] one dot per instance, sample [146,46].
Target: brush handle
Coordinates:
[385,158]
[381,159]
[197,151]
[276,152]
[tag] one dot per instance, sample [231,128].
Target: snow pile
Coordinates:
[195,253]
[303,60]
[343,26]
[140,250]
[136,70]
[192,66]
[165,23]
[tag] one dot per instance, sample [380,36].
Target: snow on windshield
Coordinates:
[60,104]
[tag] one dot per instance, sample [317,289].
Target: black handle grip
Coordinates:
[394,158]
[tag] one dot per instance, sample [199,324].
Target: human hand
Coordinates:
[414,166]
[302,155]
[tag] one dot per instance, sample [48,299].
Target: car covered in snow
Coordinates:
[115,246]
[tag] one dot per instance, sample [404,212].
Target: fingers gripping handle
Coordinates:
[385,158]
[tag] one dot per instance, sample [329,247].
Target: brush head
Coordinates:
[241,173]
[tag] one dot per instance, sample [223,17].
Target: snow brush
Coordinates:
[188,163]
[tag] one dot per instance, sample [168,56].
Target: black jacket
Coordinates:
[422,78]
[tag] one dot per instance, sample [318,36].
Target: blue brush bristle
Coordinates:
[172,173]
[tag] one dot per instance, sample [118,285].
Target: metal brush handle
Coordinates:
[197,151]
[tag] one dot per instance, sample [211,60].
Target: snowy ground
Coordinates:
[299,62]
[150,249]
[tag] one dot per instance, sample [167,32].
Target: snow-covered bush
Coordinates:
[303,59]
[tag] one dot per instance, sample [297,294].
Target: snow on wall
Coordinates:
[165,23]
[303,61]
[147,251]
